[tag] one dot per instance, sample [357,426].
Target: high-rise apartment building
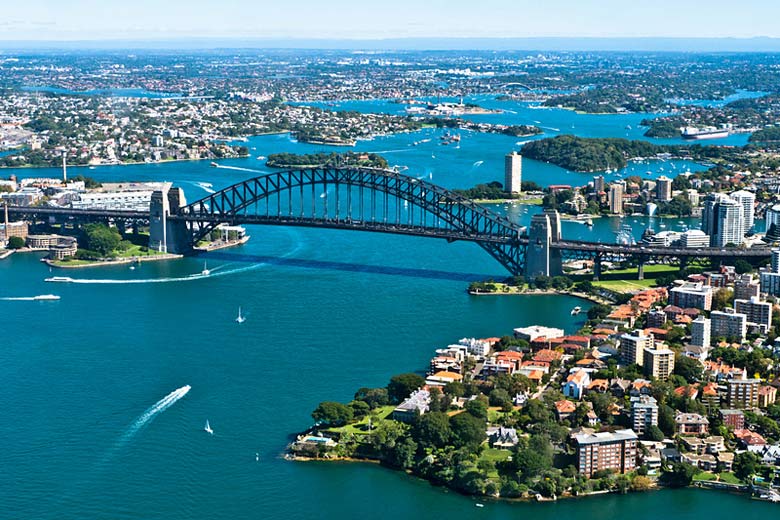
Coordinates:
[513,172]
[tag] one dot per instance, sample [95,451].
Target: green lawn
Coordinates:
[495,455]
[361,427]
[625,285]
[729,478]
[704,475]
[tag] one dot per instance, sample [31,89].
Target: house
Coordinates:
[501,437]
[691,424]
[582,341]
[576,384]
[770,455]
[547,356]
[599,385]
[564,409]
[749,440]
[442,378]
[689,391]
[725,461]
[416,404]
[619,387]
[640,387]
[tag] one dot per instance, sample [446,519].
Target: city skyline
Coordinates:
[46,20]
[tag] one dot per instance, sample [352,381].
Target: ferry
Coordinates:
[46,297]
[59,279]
[709,132]
[576,310]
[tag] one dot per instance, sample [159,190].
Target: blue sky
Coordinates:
[351,19]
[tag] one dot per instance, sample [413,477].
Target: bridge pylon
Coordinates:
[167,235]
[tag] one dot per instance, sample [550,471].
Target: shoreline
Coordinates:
[539,292]
[122,261]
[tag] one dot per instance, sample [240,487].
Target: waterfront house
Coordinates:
[413,406]
[443,378]
[547,356]
[725,460]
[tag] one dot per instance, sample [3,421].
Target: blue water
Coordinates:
[327,312]
[717,103]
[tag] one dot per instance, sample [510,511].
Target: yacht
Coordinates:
[240,318]
[576,310]
[45,297]
[207,428]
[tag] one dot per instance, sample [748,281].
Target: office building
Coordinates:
[658,363]
[632,347]
[513,172]
[700,332]
[644,413]
[616,198]
[692,296]
[663,189]
[729,325]
[758,313]
[748,202]
[606,451]
[743,393]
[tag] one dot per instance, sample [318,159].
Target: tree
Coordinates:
[501,398]
[641,483]
[402,385]
[478,408]
[432,430]
[722,299]
[333,413]
[15,242]
[679,475]
[654,433]
[467,430]
[689,368]
[745,465]
[742,266]
[359,409]
[666,419]
[402,454]
[374,397]
[101,239]
[599,311]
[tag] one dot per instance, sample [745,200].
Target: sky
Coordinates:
[375,19]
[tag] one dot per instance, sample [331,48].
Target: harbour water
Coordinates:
[96,424]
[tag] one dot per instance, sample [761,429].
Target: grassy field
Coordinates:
[624,286]
[705,475]
[361,427]
[729,478]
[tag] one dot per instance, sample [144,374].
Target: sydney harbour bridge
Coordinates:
[373,200]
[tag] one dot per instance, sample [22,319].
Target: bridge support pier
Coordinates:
[597,267]
[641,270]
[166,235]
[684,262]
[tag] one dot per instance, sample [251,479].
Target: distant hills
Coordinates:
[759,44]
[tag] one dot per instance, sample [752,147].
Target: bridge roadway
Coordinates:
[575,247]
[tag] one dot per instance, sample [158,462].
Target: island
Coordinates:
[292,160]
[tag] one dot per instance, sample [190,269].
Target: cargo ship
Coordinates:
[709,132]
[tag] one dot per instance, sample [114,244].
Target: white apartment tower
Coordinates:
[513,172]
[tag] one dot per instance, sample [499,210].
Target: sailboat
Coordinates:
[240,319]
[205,271]
[207,428]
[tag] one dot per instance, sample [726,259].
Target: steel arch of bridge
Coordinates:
[366,199]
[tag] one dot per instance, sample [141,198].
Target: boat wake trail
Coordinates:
[152,412]
[238,168]
[190,278]
[205,186]
[477,164]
